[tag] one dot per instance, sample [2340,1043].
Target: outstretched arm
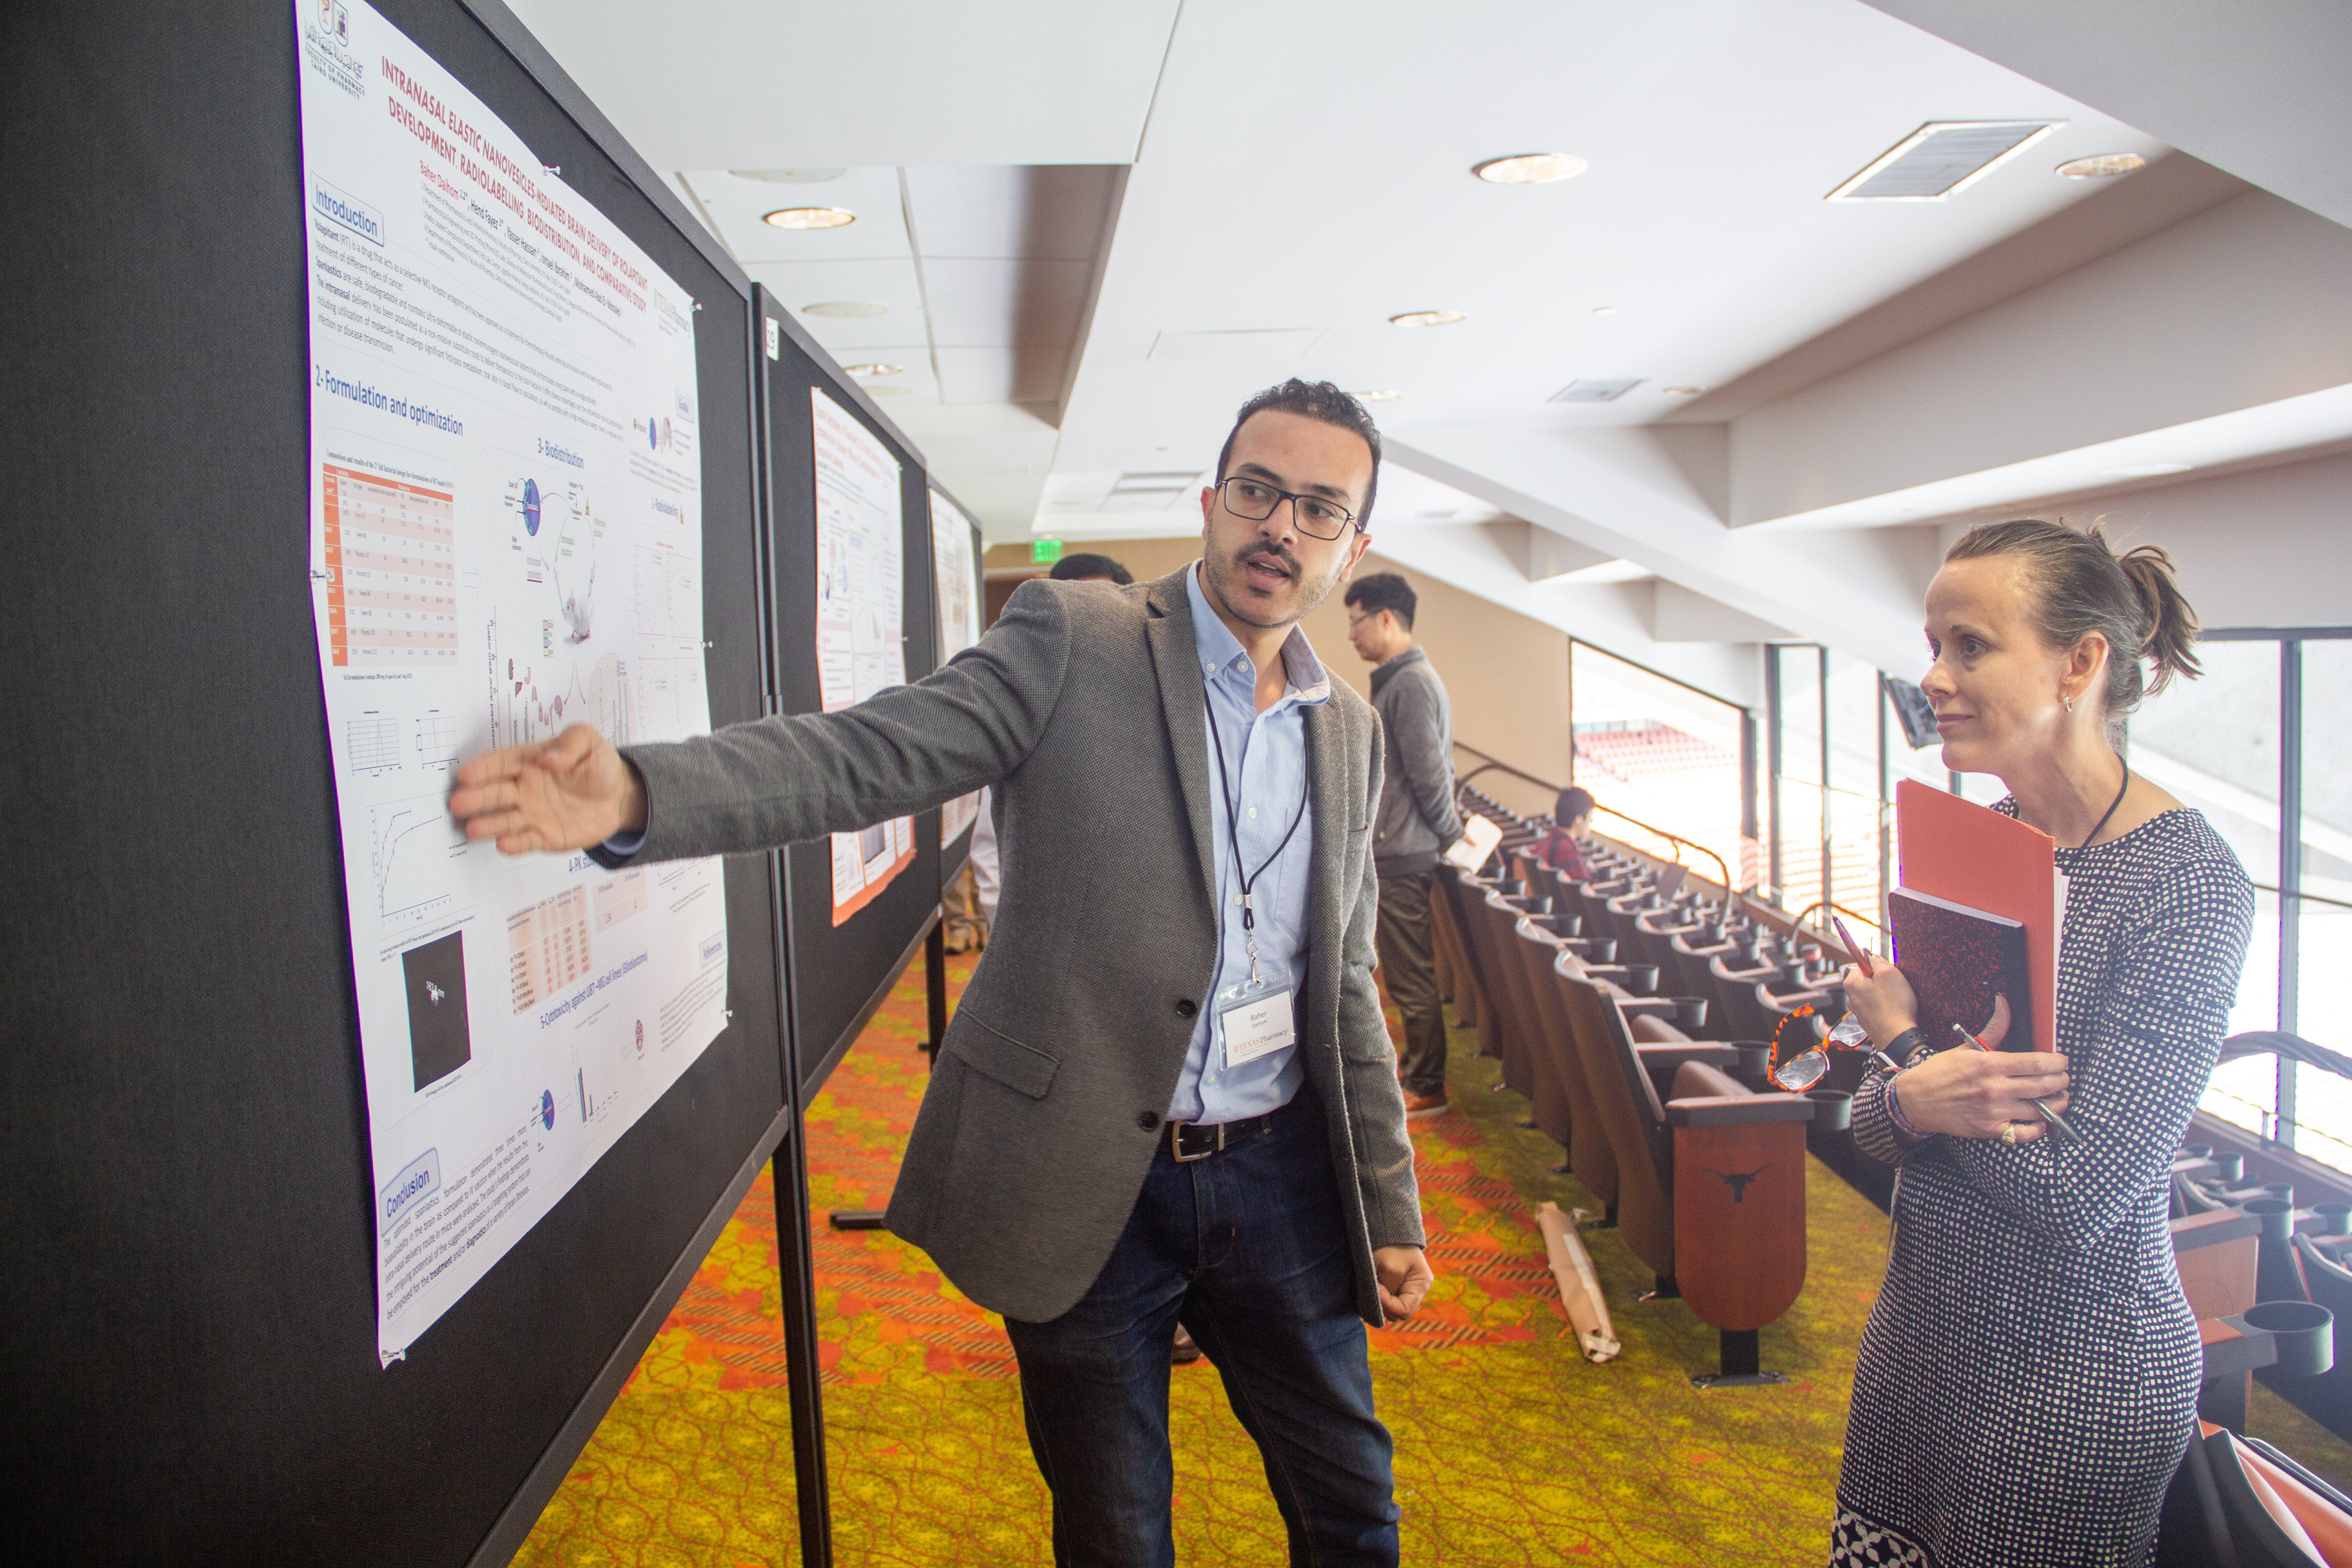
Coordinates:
[777,781]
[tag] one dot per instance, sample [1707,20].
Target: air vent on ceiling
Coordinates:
[1942,158]
[1607,390]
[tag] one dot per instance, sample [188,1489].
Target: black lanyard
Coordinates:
[2111,809]
[1232,834]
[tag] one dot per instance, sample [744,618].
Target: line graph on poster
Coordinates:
[416,853]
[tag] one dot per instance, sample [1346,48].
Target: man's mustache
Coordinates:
[1271,553]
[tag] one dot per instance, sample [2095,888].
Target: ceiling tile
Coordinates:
[1051,213]
[999,375]
[797,284]
[1005,303]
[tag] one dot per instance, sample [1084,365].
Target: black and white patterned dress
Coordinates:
[2028,1377]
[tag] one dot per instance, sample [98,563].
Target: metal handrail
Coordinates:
[1491,761]
[2306,898]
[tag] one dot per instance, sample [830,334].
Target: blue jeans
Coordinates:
[1246,1248]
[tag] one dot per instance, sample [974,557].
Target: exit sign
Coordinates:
[1046,552]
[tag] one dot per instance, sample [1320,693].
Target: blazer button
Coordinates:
[1147,1119]
[1187,1008]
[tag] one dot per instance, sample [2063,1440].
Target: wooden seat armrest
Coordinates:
[2211,1228]
[2233,1349]
[1735,1111]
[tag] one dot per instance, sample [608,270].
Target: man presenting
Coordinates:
[1417,821]
[1168,1094]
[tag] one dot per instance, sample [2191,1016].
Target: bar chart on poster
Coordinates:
[506,541]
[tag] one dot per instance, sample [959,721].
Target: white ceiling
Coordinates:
[1299,174]
[772,84]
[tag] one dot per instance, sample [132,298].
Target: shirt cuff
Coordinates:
[618,850]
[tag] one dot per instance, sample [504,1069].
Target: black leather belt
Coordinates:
[1191,1141]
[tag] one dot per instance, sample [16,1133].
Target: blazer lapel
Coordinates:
[1175,655]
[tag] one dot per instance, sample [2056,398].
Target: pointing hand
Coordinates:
[570,793]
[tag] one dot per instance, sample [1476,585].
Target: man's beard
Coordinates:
[1235,573]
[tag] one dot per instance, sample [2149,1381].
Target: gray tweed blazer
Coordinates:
[1082,705]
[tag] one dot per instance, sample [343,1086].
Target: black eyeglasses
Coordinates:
[1255,500]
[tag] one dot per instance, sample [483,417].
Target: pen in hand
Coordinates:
[1861,954]
[1850,1023]
[2058,1125]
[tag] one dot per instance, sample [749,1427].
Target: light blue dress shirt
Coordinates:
[1265,769]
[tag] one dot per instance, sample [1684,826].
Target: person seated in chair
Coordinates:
[1572,817]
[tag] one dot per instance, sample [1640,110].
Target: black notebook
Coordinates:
[1958,960]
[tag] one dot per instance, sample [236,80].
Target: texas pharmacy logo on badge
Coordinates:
[327,44]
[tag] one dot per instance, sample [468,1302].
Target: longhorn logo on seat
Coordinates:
[1737,1180]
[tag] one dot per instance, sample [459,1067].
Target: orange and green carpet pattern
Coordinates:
[1510,1448]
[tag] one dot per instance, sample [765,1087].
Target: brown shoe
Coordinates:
[1183,1352]
[1425,1104]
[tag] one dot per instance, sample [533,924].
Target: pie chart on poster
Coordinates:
[531,507]
[547,1110]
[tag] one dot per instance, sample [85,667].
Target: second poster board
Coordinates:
[827,488]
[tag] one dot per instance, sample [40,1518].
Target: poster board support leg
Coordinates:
[796,1264]
[935,986]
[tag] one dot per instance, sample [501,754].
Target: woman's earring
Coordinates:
[2069,705]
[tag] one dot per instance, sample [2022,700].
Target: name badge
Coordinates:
[1256,1026]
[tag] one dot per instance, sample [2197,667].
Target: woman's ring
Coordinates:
[2009,1132]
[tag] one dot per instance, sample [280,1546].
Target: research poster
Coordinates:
[955,571]
[506,527]
[861,578]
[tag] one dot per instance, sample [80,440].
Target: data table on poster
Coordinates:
[391,567]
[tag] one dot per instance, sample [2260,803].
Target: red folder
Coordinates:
[1955,850]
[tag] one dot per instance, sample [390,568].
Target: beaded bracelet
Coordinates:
[1901,1048]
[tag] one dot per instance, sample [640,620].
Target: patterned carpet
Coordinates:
[1510,1448]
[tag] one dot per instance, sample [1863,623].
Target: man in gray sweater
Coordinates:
[1415,823]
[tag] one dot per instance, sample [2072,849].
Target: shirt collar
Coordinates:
[1306,679]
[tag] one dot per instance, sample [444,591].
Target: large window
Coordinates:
[1828,784]
[2260,742]
[1662,753]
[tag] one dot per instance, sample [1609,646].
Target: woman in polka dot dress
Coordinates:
[2029,1375]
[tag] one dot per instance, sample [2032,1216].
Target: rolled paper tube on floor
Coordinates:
[1580,1288]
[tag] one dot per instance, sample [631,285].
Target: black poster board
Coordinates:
[189,1368]
[841,973]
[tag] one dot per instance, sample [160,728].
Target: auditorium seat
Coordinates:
[1710,1174]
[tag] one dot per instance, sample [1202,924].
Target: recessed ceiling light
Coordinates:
[1373,397]
[1427,318]
[1685,391]
[2147,470]
[877,369]
[2104,166]
[1530,168]
[845,310]
[789,176]
[810,218]
[1606,310]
